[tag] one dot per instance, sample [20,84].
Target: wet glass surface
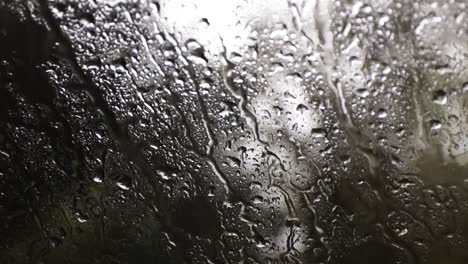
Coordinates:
[241,131]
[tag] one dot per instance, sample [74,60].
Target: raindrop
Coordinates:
[382,113]
[257,200]
[439,97]
[301,108]
[124,182]
[465,87]
[319,133]
[435,124]
[362,92]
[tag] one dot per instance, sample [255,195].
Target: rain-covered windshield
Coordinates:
[234,131]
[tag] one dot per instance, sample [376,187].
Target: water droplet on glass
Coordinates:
[465,87]
[439,97]
[382,113]
[435,124]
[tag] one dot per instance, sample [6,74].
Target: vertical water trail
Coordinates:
[358,141]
